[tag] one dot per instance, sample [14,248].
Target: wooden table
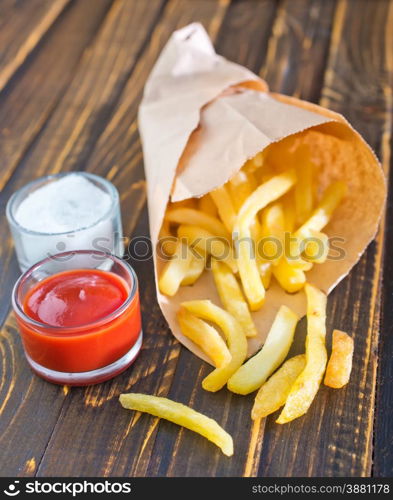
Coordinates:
[71,78]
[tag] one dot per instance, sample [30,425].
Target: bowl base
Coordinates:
[91,377]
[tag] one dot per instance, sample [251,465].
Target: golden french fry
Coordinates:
[323,212]
[175,270]
[225,207]
[265,271]
[253,374]
[316,247]
[193,217]
[235,337]
[288,204]
[241,185]
[205,336]
[273,227]
[254,164]
[265,173]
[291,278]
[167,240]
[196,268]
[199,238]
[181,415]
[259,199]
[232,297]
[339,366]
[249,167]
[258,159]
[274,392]
[207,205]
[304,187]
[317,221]
[307,384]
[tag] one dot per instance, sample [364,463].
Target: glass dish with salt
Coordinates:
[68,211]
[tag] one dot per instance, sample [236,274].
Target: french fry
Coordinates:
[232,297]
[273,227]
[249,167]
[175,270]
[235,337]
[288,204]
[255,163]
[316,222]
[248,269]
[265,173]
[167,240]
[254,373]
[307,384]
[196,268]
[339,366]
[202,239]
[193,217]
[316,247]
[241,185]
[265,271]
[290,278]
[181,415]
[226,210]
[205,336]
[304,187]
[274,392]
[323,212]
[207,205]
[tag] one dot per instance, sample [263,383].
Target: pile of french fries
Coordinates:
[266,223]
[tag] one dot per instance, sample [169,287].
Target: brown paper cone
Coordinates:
[200,122]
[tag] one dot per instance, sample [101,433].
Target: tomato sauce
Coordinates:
[83,319]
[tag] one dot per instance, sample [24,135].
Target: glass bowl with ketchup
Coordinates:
[79,317]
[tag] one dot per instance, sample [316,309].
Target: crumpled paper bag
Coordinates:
[202,117]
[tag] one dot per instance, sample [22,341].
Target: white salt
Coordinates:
[67,204]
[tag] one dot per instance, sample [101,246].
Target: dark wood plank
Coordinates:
[109,54]
[298,48]
[125,449]
[26,105]
[22,26]
[383,449]
[29,408]
[335,437]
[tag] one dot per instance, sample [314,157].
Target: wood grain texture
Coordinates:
[383,440]
[336,52]
[297,50]
[22,26]
[26,105]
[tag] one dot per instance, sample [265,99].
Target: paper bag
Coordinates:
[202,117]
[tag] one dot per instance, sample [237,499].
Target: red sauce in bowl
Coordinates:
[82,320]
[75,298]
